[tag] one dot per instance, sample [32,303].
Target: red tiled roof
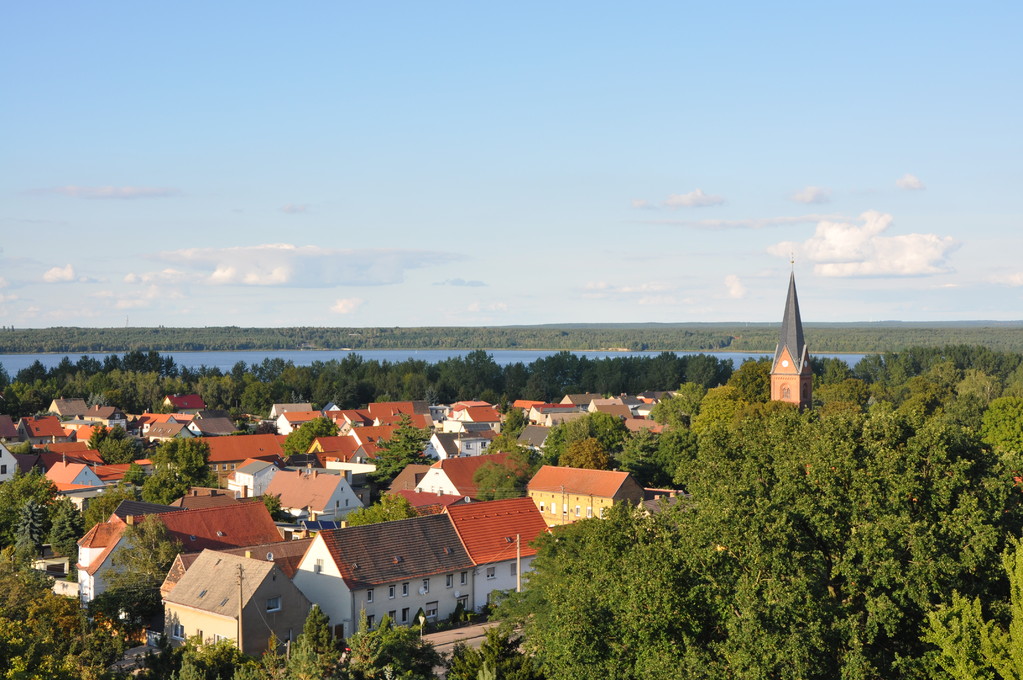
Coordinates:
[43,426]
[483,414]
[341,448]
[228,526]
[304,488]
[488,529]
[188,401]
[104,535]
[51,457]
[84,433]
[372,434]
[460,471]
[526,404]
[111,473]
[8,430]
[395,551]
[64,473]
[287,554]
[415,420]
[422,499]
[240,447]
[358,415]
[301,416]
[602,483]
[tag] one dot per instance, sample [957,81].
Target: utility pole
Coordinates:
[241,605]
[518,563]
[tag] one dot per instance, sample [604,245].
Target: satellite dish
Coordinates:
[458,593]
[269,557]
[422,591]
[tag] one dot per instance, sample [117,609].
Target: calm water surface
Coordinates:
[226,360]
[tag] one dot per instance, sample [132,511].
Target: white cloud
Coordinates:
[60,274]
[812,195]
[168,275]
[460,282]
[845,249]
[4,282]
[283,264]
[641,204]
[346,305]
[694,199]
[1012,280]
[477,307]
[295,208]
[8,298]
[113,192]
[910,183]
[752,223]
[735,288]
[651,293]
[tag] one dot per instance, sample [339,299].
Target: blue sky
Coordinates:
[412,164]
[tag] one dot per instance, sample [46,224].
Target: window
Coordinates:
[3,469]
[578,511]
[404,589]
[514,569]
[449,580]
[554,508]
[392,615]
[462,578]
[273,604]
[369,595]
[491,572]
[431,610]
[318,567]
[602,513]
[426,586]
[390,592]
[589,511]
[541,508]
[464,601]
[370,619]
[178,631]
[404,614]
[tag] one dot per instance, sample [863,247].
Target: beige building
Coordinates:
[564,495]
[223,596]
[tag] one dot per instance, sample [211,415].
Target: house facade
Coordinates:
[390,569]
[564,495]
[229,597]
[314,494]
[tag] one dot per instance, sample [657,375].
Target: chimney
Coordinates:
[129,520]
[314,474]
[248,554]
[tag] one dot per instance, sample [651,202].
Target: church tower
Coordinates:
[791,376]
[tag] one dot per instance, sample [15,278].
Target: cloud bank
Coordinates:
[844,249]
[910,183]
[283,264]
[694,199]
[812,195]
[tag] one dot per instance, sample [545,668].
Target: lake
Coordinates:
[227,359]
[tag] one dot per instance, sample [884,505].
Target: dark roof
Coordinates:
[139,508]
[408,478]
[791,337]
[396,551]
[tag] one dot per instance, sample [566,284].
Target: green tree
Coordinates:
[1002,425]
[180,465]
[135,475]
[752,380]
[678,409]
[390,651]
[498,653]
[138,570]
[514,422]
[33,526]
[406,445]
[67,527]
[315,656]
[115,445]
[973,648]
[102,507]
[586,453]
[495,481]
[390,507]
[17,491]
[301,439]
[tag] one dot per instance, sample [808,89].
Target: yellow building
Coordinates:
[564,495]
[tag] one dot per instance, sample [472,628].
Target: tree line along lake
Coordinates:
[225,360]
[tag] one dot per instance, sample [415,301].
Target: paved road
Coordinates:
[444,642]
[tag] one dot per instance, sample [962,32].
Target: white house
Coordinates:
[8,464]
[251,478]
[314,494]
[390,568]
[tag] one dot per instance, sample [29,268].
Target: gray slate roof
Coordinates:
[791,336]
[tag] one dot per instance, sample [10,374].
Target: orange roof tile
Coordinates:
[221,527]
[304,488]
[601,483]
[460,471]
[44,426]
[301,416]
[240,447]
[488,529]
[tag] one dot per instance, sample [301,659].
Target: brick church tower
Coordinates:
[791,376]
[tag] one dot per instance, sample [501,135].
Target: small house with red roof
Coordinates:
[184,403]
[289,421]
[8,430]
[314,494]
[42,430]
[454,476]
[251,478]
[67,476]
[387,569]
[227,453]
[564,495]
[498,535]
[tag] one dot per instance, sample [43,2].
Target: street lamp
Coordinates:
[422,621]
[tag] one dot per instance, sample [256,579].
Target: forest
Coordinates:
[874,535]
[737,337]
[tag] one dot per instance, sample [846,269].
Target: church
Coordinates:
[791,375]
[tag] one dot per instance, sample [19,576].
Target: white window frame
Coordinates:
[273,604]
[491,573]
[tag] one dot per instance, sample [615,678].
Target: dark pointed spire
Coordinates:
[791,337]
